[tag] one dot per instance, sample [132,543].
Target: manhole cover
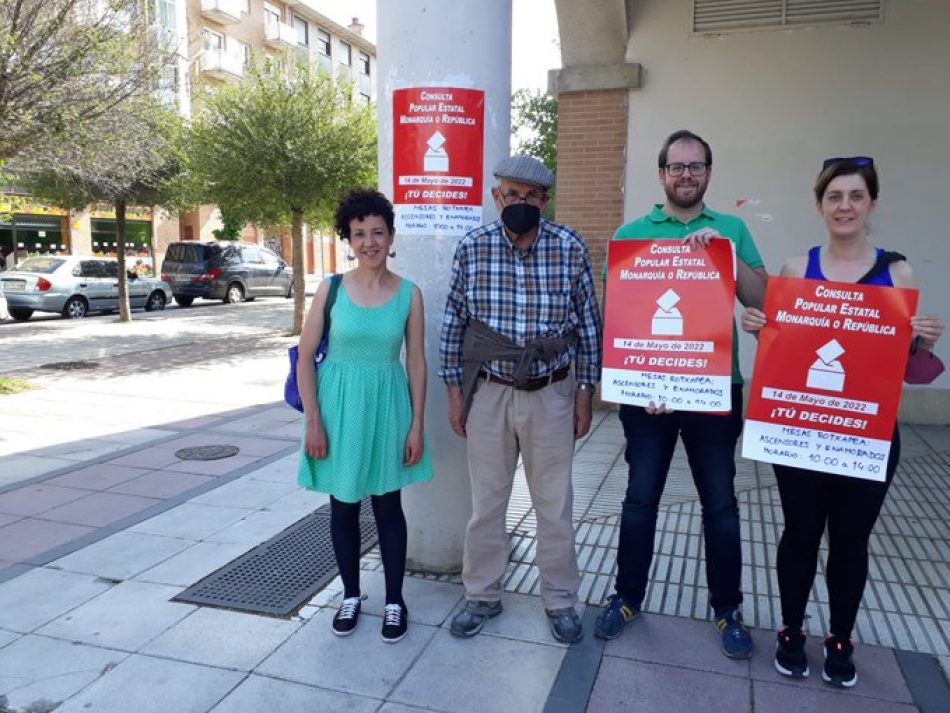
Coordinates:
[207,452]
[71,365]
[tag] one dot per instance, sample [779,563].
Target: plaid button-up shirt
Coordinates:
[545,291]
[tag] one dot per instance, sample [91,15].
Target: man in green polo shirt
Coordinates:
[685,167]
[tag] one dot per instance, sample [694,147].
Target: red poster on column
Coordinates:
[828,372]
[668,324]
[438,147]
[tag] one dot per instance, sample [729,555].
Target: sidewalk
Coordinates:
[99,531]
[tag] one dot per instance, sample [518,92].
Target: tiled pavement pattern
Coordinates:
[907,602]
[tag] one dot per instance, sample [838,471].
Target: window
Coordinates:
[212,40]
[303,32]
[365,98]
[346,54]
[244,52]
[251,255]
[270,259]
[715,16]
[364,63]
[323,42]
[271,18]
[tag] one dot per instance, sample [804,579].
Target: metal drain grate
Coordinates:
[279,576]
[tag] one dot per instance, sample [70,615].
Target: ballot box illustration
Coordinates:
[667,320]
[826,373]
[436,158]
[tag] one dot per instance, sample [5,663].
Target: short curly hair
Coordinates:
[359,203]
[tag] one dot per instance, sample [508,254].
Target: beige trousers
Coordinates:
[539,425]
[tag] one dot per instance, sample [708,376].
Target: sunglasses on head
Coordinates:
[856,160]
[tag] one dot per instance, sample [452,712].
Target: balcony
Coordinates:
[279,35]
[221,65]
[225,12]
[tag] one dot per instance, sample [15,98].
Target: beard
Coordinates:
[686,203]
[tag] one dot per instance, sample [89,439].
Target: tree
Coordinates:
[281,147]
[65,63]
[130,156]
[534,122]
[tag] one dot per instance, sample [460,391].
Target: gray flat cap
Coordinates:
[525,169]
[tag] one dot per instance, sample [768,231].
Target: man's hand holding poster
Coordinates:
[668,324]
[827,377]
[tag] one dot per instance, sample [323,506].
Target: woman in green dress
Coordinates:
[363,418]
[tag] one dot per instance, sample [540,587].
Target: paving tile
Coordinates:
[428,602]
[34,668]
[190,521]
[41,595]
[149,685]
[775,698]
[161,484]
[125,617]
[101,476]
[225,639]
[488,675]
[624,685]
[400,708]
[7,637]
[7,519]
[259,693]
[26,538]
[676,642]
[151,457]
[122,556]
[99,509]
[283,470]
[879,675]
[33,499]
[256,527]
[211,467]
[193,564]
[18,467]
[361,663]
[246,493]
[300,500]
[81,450]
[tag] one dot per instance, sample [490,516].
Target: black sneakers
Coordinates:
[347,617]
[790,657]
[395,623]
[839,668]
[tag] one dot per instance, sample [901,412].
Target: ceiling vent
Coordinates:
[718,16]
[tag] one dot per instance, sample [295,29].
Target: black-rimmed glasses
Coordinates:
[696,169]
[856,160]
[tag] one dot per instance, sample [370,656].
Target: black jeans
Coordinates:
[710,442]
[849,507]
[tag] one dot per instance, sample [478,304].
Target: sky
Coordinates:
[535,26]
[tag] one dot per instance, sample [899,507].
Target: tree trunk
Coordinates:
[297,261]
[125,314]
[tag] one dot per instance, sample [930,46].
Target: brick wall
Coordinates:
[592,142]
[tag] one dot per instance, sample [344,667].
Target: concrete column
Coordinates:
[463,44]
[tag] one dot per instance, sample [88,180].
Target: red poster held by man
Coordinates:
[828,372]
[668,324]
[438,141]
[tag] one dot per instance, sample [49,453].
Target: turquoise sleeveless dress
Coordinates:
[364,401]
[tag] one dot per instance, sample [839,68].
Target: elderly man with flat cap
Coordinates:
[521,310]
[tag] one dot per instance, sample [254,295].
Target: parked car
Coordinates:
[74,286]
[222,270]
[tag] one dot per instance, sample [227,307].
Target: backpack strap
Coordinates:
[883,262]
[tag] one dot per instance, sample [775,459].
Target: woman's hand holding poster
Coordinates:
[668,324]
[827,377]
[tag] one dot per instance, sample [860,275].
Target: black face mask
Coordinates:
[521,218]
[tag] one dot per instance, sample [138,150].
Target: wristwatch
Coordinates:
[585,387]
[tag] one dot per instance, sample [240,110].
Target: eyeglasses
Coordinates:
[856,160]
[696,168]
[510,197]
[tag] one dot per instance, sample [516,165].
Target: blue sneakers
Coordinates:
[736,641]
[614,618]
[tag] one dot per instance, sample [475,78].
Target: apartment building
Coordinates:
[215,41]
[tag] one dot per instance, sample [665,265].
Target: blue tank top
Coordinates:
[813,271]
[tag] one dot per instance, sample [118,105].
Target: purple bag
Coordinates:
[923,366]
[291,392]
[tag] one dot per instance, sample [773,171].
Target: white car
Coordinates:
[74,286]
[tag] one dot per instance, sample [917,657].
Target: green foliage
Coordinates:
[9,385]
[279,143]
[231,226]
[534,123]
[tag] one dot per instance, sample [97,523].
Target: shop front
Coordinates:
[30,228]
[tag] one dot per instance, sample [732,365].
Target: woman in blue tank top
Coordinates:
[846,194]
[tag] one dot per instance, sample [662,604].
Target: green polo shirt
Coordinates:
[658,225]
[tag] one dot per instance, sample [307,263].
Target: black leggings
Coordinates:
[850,507]
[391,526]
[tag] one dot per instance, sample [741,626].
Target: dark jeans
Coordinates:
[710,442]
[849,507]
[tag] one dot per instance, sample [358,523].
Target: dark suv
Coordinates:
[227,271]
